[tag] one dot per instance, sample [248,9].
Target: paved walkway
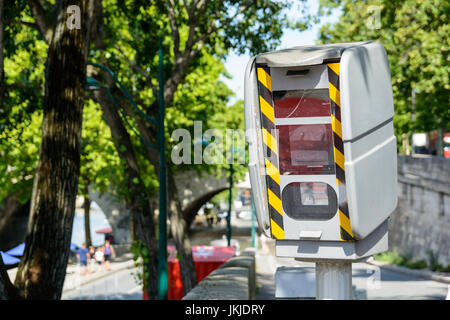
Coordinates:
[74,279]
[370,281]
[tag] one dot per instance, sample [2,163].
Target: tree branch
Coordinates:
[175,31]
[190,52]
[28,24]
[39,14]
[216,27]
[182,60]
[198,7]
[139,69]
[149,134]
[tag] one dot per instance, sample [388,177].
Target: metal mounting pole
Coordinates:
[162,223]
[334,280]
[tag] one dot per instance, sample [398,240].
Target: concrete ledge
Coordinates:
[434,185]
[234,280]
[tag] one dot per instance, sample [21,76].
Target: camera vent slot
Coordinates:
[297,72]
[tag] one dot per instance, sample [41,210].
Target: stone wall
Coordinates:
[117,213]
[234,280]
[421,222]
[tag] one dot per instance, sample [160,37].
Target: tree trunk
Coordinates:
[138,202]
[177,222]
[42,269]
[180,236]
[87,214]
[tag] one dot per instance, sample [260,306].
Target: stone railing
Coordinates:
[420,226]
[234,280]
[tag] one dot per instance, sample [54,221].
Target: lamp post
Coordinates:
[162,217]
[233,151]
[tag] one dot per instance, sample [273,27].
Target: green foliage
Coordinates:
[24,63]
[434,264]
[415,34]
[393,257]
[21,109]
[132,28]
[141,259]
[101,167]
[19,151]
[130,33]
[416,264]
[199,98]
[232,118]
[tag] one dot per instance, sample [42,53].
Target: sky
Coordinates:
[236,65]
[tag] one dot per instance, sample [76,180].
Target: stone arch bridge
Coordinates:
[194,190]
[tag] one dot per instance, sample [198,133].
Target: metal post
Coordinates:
[440,140]
[162,219]
[229,206]
[253,225]
[334,280]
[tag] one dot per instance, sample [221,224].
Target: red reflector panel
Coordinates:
[302,103]
[306,149]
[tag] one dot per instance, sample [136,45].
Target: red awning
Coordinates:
[104,230]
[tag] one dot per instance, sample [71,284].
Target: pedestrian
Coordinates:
[83,257]
[110,239]
[108,251]
[99,257]
[91,259]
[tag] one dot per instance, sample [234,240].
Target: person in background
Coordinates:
[99,257]
[83,257]
[91,259]
[108,251]
[110,238]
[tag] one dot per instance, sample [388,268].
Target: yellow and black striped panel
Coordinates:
[270,152]
[339,156]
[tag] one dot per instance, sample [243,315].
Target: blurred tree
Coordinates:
[41,273]
[415,34]
[100,167]
[197,37]
[196,33]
